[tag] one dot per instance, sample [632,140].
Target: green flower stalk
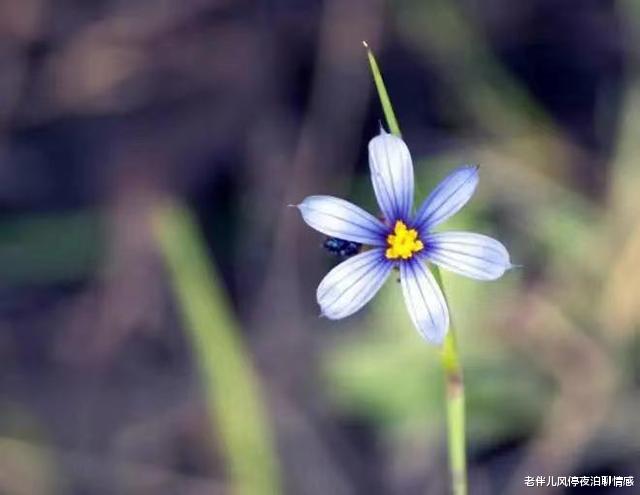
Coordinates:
[454,382]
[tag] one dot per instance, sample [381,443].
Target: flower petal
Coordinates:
[447,198]
[336,217]
[392,175]
[425,302]
[352,284]
[472,255]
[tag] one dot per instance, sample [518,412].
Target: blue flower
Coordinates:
[402,239]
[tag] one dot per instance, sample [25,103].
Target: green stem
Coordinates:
[455,414]
[454,384]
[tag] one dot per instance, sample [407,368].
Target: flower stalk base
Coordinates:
[454,389]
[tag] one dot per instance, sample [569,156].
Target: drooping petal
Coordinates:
[352,284]
[447,198]
[425,302]
[392,175]
[472,255]
[336,217]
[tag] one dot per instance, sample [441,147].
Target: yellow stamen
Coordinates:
[403,243]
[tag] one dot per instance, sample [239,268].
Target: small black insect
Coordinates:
[340,247]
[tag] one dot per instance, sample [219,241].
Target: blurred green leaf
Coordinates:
[229,379]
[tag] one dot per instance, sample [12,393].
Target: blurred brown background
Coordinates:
[235,109]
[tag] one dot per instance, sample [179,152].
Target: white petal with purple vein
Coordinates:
[425,301]
[447,198]
[336,217]
[392,175]
[352,284]
[472,255]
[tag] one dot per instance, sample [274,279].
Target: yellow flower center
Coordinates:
[403,243]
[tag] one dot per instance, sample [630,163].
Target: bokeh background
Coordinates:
[158,326]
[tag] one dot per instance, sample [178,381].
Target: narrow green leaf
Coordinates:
[389,115]
[229,380]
